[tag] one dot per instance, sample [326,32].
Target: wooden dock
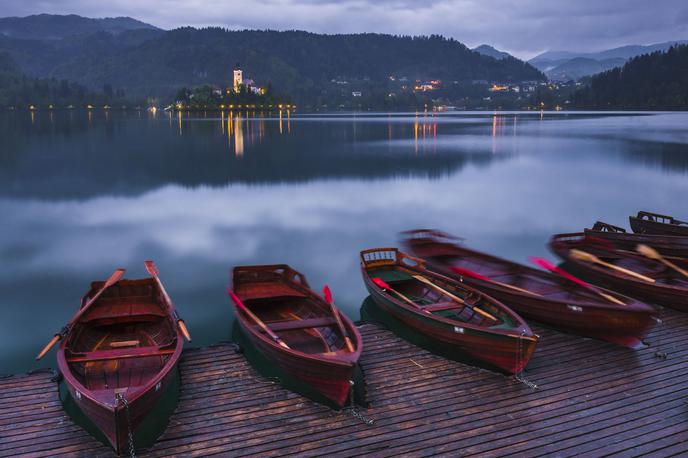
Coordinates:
[592,398]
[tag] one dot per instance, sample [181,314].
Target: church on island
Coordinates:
[238,82]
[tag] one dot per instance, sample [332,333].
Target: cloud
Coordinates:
[523,27]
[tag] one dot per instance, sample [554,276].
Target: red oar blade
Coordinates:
[545,264]
[381,283]
[469,273]
[151,268]
[328,294]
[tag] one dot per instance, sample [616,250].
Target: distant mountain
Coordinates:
[487,50]
[156,63]
[580,67]
[56,27]
[565,65]
[650,81]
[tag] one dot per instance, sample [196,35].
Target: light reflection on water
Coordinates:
[84,194]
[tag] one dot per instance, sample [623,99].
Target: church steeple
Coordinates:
[238,77]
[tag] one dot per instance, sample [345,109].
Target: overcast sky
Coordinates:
[522,27]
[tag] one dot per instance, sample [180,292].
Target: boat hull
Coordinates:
[645,226]
[509,354]
[623,325]
[112,420]
[330,379]
[666,245]
[655,293]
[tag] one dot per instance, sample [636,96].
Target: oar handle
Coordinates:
[49,345]
[544,263]
[182,326]
[328,298]
[257,320]
[114,278]
[153,271]
[469,273]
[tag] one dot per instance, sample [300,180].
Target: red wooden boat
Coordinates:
[664,286]
[120,354]
[296,328]
[668,245]
[536,294]
[654,223]
[451,313]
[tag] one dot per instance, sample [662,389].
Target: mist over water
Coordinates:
[83,193]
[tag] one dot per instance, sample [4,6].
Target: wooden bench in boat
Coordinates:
[121,307]
[267,290]
[105,355]
[301,324]
[440,306]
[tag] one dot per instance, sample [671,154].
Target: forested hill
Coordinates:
[652,81]
[18,90]
[302,64]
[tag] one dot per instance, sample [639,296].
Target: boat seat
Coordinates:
[123,309]
[301,324]
[125,353]
[439,306]
[266,290]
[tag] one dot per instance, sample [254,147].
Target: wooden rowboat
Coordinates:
[672,246]
[536,294]
[455,315]
[664,286]
[120,356]
[302,335]
[654,223]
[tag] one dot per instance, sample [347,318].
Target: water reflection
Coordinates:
[83,194]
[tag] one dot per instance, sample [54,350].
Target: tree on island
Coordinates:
[210,97]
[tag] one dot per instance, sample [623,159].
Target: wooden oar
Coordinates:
[551,267]
[447,293]
[651,253]
[382,284]
[328,297]
[153,270]
[114,278]
[469,273]
[258,321]
[587,257]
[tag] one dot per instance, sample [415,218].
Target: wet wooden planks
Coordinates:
[592,398]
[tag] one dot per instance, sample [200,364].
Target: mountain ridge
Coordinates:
[56,26]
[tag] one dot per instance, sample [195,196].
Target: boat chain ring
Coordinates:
[130,436]
[351,409]
[520,377]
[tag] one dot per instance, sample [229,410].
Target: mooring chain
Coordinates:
[352,407]
[520,377]
[130,435]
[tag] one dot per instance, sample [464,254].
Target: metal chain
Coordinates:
[520,377]
[352,407]
[130,435]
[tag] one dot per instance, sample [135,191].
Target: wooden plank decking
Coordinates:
[592,399]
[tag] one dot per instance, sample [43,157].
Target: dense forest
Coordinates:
[19,90]
[651,81]
[154,63]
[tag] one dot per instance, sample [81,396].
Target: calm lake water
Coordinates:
[84,193]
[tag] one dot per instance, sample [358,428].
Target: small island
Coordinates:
[242,93]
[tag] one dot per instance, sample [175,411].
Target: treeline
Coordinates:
[155,64]
[657,81]
[20,91]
